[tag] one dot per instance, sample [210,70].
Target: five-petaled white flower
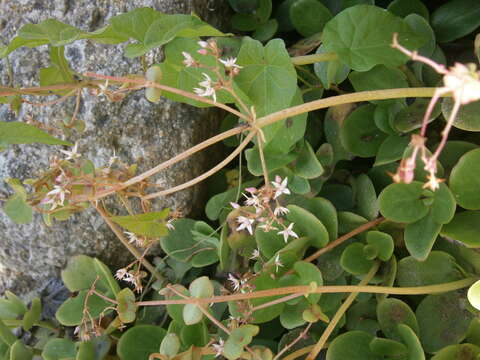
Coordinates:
[245,223]
[71,155]
[280,210]
[56,196]
[280,186]
[231,63]
[121,273]
[170,225]
[189,60]
[255,254]
[235,282]
[132,238]
[208,89]
[218,347]
[203,44]
[277,262]
[288,232]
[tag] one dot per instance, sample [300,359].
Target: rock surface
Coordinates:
[138,131]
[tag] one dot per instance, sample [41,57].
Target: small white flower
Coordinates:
[280,210]
[235,282]
[255,254]
[170,225]
[208,89]
[189,60]
[280,186]
[266,227]
[132,238]
[218,347]
[121,273]
[245,223]
[56,196]
[288,232]
[277,262]
[203,44]
[112,159]
[71,155]
[252,201]
[230,63]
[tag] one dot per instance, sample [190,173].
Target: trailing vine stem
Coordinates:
[340,312]
[305,290]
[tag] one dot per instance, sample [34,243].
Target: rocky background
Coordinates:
[32,255]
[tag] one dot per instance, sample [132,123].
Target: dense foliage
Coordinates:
[346,224]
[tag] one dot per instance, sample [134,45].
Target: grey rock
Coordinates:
[139,132]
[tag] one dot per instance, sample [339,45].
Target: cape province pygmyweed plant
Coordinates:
[300,257]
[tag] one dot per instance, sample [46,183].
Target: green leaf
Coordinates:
[16,132]
[239,338]
[452,152]
[201,287]
[334,119]
[269,243]
[411,117]
[266,31]
[464,227]
[309,16]
[170,345]
[138,342]
[391,149]
[82,271]
[330,72]
[390,313]
[306,224]
[127,308]
[353,35]
[308,274]
[182,245]
[464,181]
[59,72]
[192,314]
[244,6]
[415,351]
[461,352]
[70,313]
[403,202]
[292,316]
[388,348]
[268,78]
[307,165]
[455,19]
[196,335]
[421,235]
[352,345]
[149,224]
[12,307]
[58,349]
[378,78]
[439,267]
[443,207]
[18,209]
[382,242]
[106,276]
[264,282]
[19,351]
[6,334]
[153,29]
[366,197]
[32,316]
[403,8]
[359,134]
[467,118]
[354,261]
[443,320]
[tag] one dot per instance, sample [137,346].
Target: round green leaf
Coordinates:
[411,117]
[264,282]
[420,236]
[292,315]
[196,335]
[201,287]
[403,8]
[455,19]
[57,349]
[170,345]
[468,116]
[70,313]
[308,274]
[465,182]
[388,348]
[354,36]
[444,205]
[390,313]
[362,316]
[309,16]
[415,351]
[366,197]
[439,267]
[306,224]
[474,295]
[266,31]
[391,149]
[352,345]
[403,202]
[20,351]
[127,308]
[244,6]
[383,242]
[307,165]
[464,227]
[138,342]
[452,152]
[330,72]
[282,14]
[353,260]
[238,338]
[359,134]
[458,352]
[443,320]
[192,314]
